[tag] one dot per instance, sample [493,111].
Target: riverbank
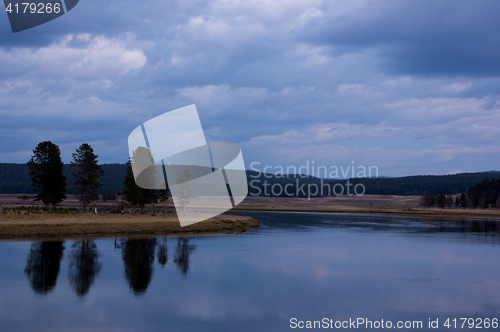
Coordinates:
[369,204]
[14,225]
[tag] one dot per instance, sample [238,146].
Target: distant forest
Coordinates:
[14,179]
[404,186]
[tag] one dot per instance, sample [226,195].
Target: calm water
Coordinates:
[307,266]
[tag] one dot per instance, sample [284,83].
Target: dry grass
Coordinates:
[14,225]
[127,224]
[355,204]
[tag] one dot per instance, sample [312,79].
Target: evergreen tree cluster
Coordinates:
[46,175]
[485,194]
[48,180]
[403,186]
[441,200]
[46,172]
[138,197]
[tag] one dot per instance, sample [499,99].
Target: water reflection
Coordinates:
[304,266]
[84,266]
[181,259]
[162,253]
[418,224]
[138,257]
[42,265]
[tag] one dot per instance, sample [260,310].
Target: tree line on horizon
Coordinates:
[484,195]
[15,179]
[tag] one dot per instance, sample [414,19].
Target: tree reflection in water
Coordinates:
[42,265]
[84,266]
[181,259]
[138,257]
[162,253]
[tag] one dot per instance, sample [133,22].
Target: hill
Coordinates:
[14,179]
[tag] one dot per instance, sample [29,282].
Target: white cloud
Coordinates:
[226,32]
[435,108]
[456,87]
[77,57]
[221,96]
[12,85]
[343,143]
[268,12]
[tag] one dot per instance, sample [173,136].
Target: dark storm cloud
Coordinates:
[452,37]
[110,18]
[404,85]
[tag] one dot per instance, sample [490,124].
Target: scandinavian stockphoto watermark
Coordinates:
[309,180]
[385,324]
[205,179]
[358,323]
[26,14]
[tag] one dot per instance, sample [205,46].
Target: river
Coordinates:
[297,267]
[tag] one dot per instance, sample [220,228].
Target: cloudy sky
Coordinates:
[412,86]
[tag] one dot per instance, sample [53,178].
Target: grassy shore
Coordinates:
[379,204]
[23,224]
[16,223]
[390,204]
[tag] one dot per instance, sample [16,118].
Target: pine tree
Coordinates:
[130,188]
[441,199]
[46,172]
[482,202]
[87,174]
[136,195]
[449,200]
[494,199]
[425,200]
[463,200]
[473,199]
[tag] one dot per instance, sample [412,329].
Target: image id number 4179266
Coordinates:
[33,8]
[471,323]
